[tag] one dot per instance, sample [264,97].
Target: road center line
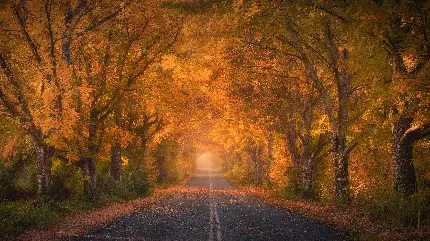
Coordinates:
[217,222]
[213,214]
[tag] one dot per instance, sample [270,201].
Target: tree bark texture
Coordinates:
[88,170]
[43,161]
[403,167]
[161,164]
[86,161]
[116,162]
[337,114]
[270,158]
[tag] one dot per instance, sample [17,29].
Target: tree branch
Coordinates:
[23,25]
[10,107]
[350,147]
[262,46]
[416,133]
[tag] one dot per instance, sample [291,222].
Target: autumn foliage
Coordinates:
[327,101]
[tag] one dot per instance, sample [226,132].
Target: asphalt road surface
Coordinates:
[213,214]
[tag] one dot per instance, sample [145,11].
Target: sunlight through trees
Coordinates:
[324,100]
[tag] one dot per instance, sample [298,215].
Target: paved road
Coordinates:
[214,213]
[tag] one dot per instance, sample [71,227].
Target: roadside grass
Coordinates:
[15,217]
[379,217]
[72,218]
[369,221]
[19,216]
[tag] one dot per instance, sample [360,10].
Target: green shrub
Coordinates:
[107,186]
[18,216]
[67,182]
[292,188]
[396,209]
[132,184]
[17,178]
[138,181]
[240,173]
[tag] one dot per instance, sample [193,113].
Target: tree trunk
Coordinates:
[306,159]
[341,150]
[86,161]
[307,166]
[338,119]
[260,164]
[144,147]
[270,159]
[88,170]
[294,171]
[307,180]
[44,154]
[256,159]
[160,160]
[341,178]
[116,162]
[403,167]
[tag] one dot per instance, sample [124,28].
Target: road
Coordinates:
[216,212]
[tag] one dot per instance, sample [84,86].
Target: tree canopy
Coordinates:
[325,100]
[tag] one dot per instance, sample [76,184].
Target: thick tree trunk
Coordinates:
[292,148]
[256,159]
[307,163]
[270,158]
[403,167]
[260,164]
[44,154]
[308,178]
[309,159]
[144,148]
[306,159]
[341,178]
[296,158]
[88,170]
[116,162]
[341,150]
[161,165]
[86,161]
[403,134]
[338,118]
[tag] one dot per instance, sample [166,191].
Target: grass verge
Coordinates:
[349,218]
[67,223]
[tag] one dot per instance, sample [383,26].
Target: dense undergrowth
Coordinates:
[18,216]
[412,212]
[372,193]
[20,210]
[408,217]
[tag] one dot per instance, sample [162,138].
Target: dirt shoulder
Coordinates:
[349,219]
[80,223]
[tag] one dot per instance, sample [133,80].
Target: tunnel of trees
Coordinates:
[321,100]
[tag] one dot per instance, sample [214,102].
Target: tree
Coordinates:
[322,58]
[281,104]
[110,64]
[402,31]
[34,76]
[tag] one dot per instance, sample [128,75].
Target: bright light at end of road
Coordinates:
[206,160]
